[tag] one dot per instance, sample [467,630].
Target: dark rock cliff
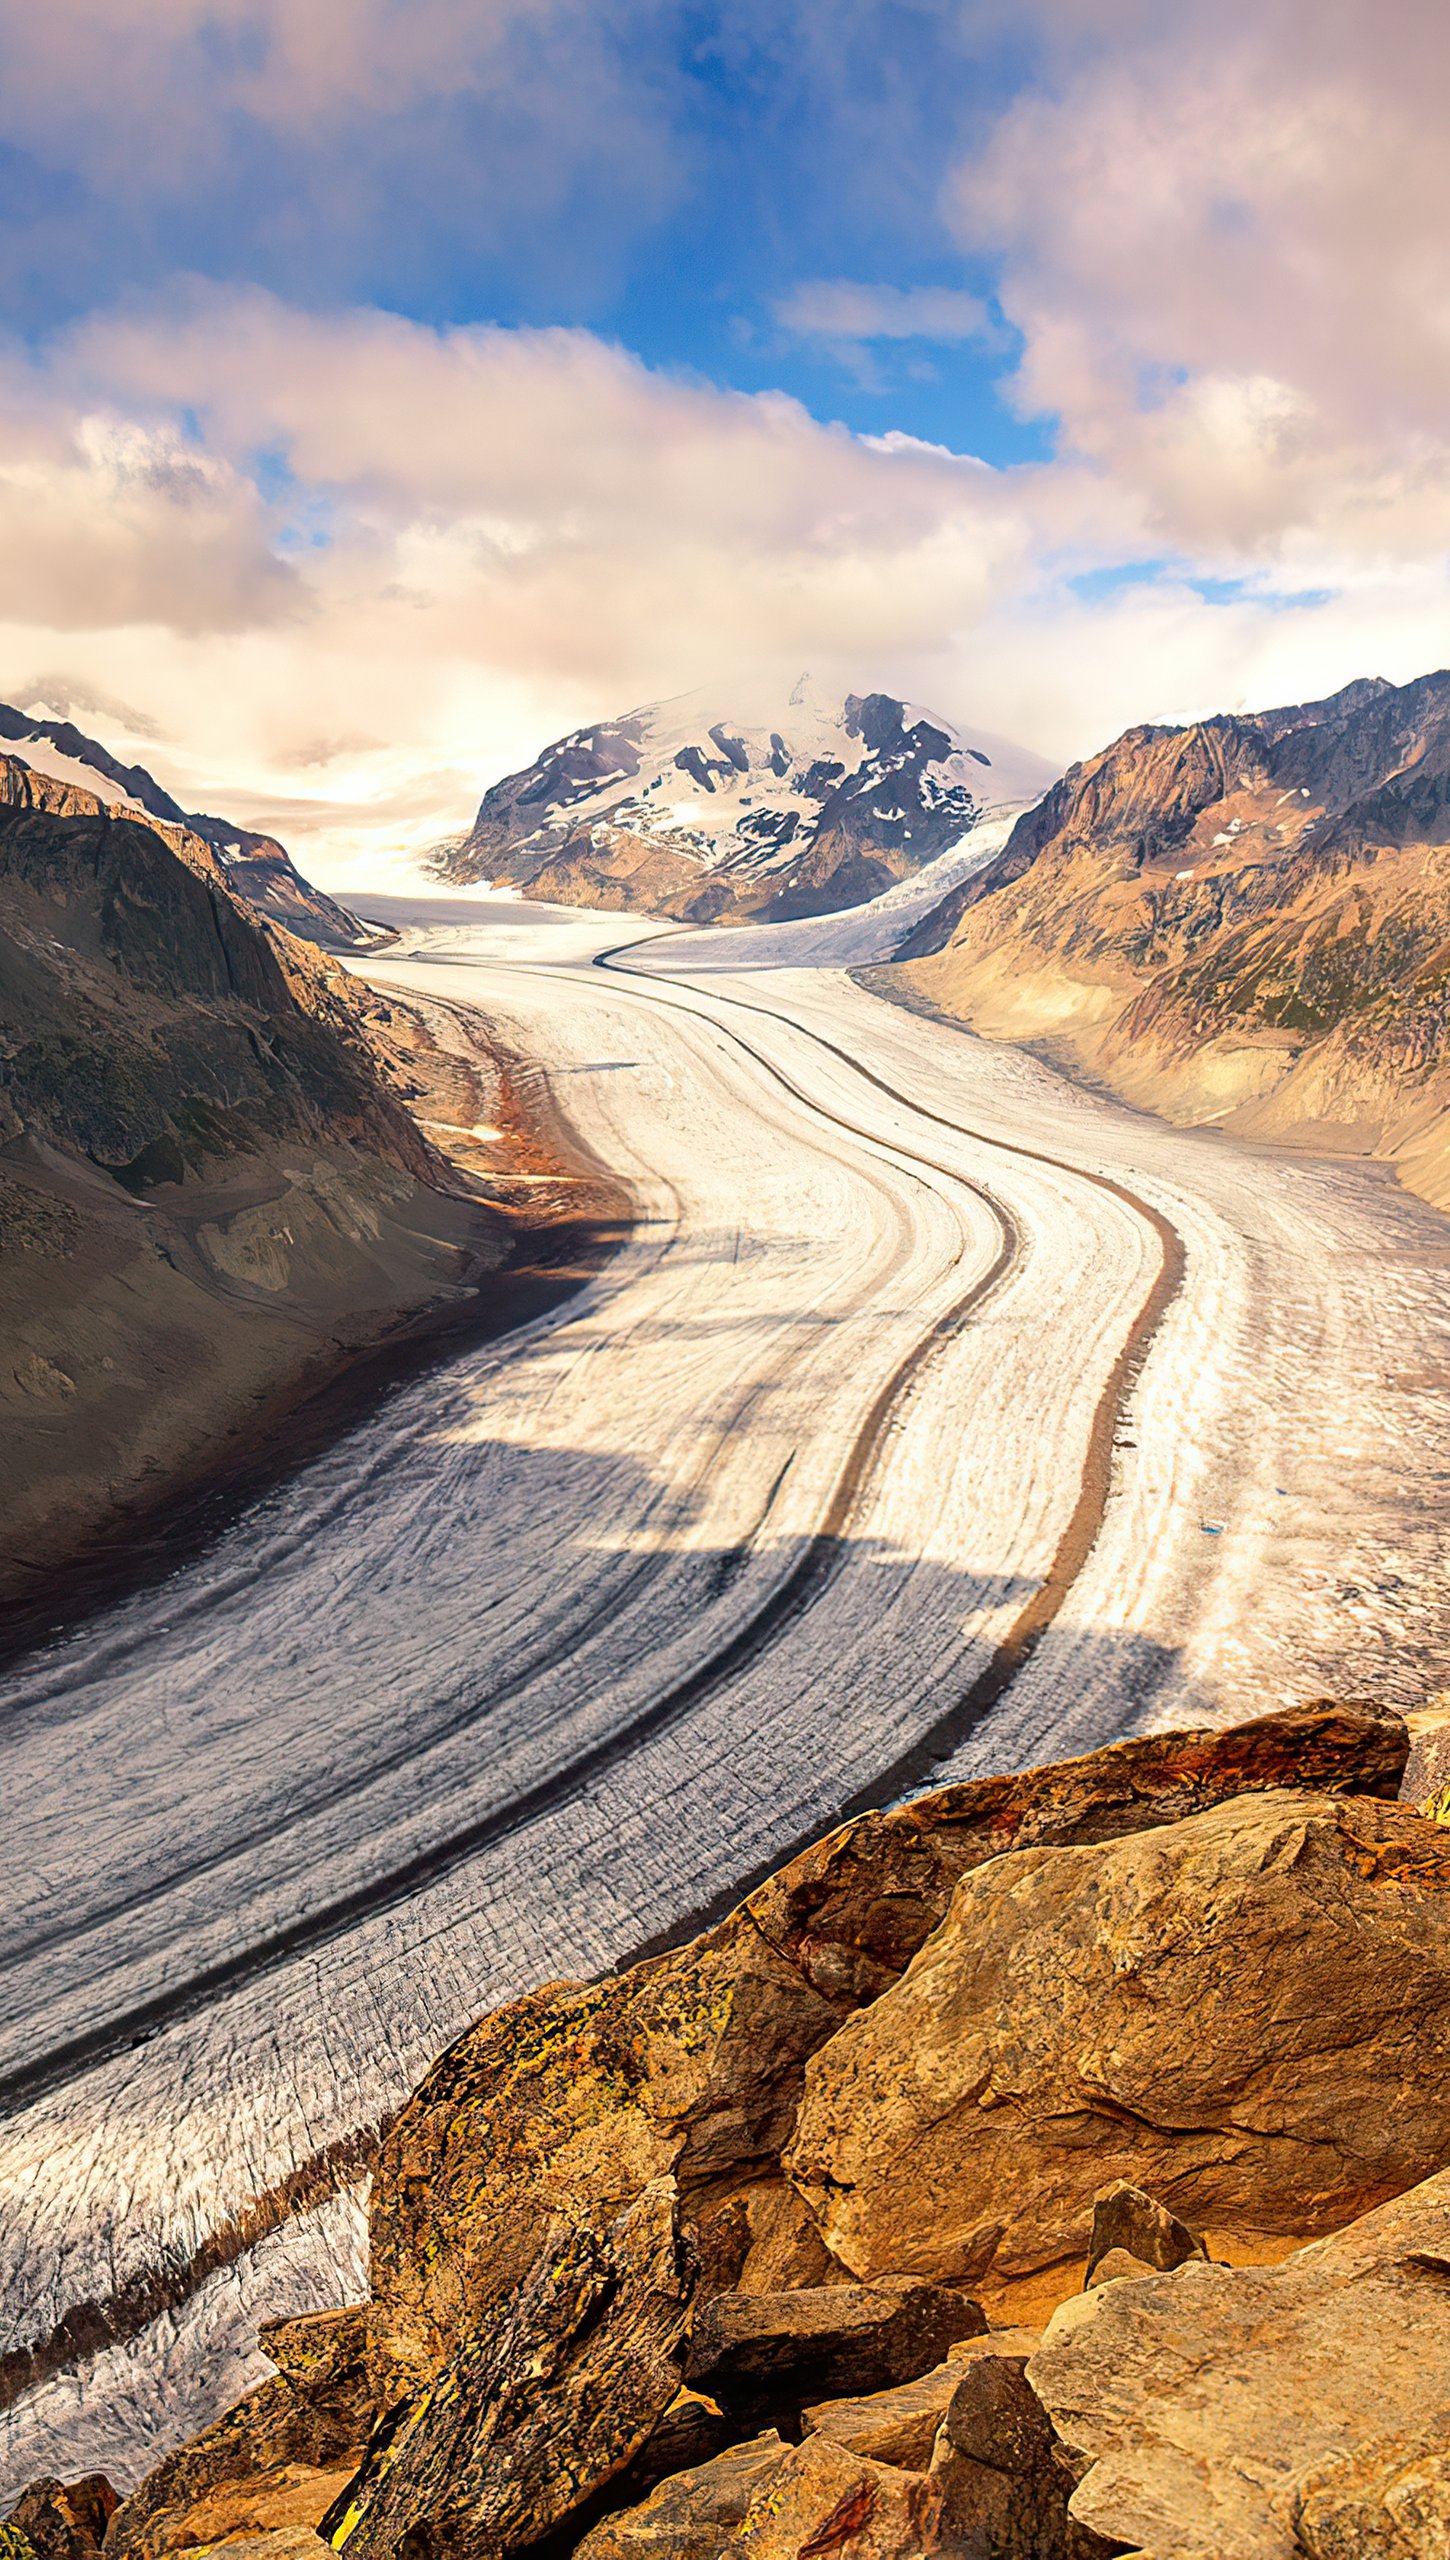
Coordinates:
[210,1194]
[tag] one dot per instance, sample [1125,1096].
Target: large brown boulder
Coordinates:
[693,2514]
[759,2353]
[994,2466]
[824,2503]
[539,2408]
[1128,2224]
[570,2100]
[276,2459]
[1247,2013]
[1295,2412]
[568,2104]
[852,1910]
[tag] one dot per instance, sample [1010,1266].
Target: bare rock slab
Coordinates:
[1266,2413]
[851,1911]
[897,2426]
[1387,2500]
[1246,2013]
[694,2514]
[539,2408]
[776,2351]
[823,2503]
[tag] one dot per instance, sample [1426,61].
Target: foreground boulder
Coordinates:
[1255,2413]
[776,2351]
[694,2514]
[1003,2493]
[60,2520]
[275,2461]
[692,2065]
[1248,2013]
[624,2222]
[823,2503]
[538,2410]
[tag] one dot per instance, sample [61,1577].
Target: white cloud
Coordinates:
[296,66]
[861,313]
[350,568]
[1222,236]
[320,142]
[454,544]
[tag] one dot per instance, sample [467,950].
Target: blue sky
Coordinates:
[391,384]
[775,149]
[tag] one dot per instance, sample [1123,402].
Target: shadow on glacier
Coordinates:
[352,1738]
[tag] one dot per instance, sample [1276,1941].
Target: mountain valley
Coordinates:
[64,758]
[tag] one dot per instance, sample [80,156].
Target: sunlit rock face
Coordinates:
[706,808]
[1241,921]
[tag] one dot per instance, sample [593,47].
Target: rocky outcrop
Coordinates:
[693,2064]
[1124,2018]
[210,1193]
[695,2514]
[1243,920]
[703,810]
[1247,2012]
[755,2352]
[541,2406]
[569,2103]
[1253,2413]
[62,2520]
[56,766]
[278,2459]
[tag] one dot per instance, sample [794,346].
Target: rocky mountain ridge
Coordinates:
[692,2263]
[257,866]
[1244,921]
[211,1189]
[712,810]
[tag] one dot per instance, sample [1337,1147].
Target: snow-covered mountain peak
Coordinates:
[736,802]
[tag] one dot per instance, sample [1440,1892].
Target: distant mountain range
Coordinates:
[1245,920]
[715,809]
[258,868]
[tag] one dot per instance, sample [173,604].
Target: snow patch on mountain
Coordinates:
[853,938]
[703,807]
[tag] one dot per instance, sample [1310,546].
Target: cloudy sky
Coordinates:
[388,385]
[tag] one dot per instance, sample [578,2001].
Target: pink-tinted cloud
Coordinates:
[1222,233]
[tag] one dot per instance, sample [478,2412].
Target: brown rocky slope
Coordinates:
[1244,921]
[744,2254]
[210,1193]
[52,759]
